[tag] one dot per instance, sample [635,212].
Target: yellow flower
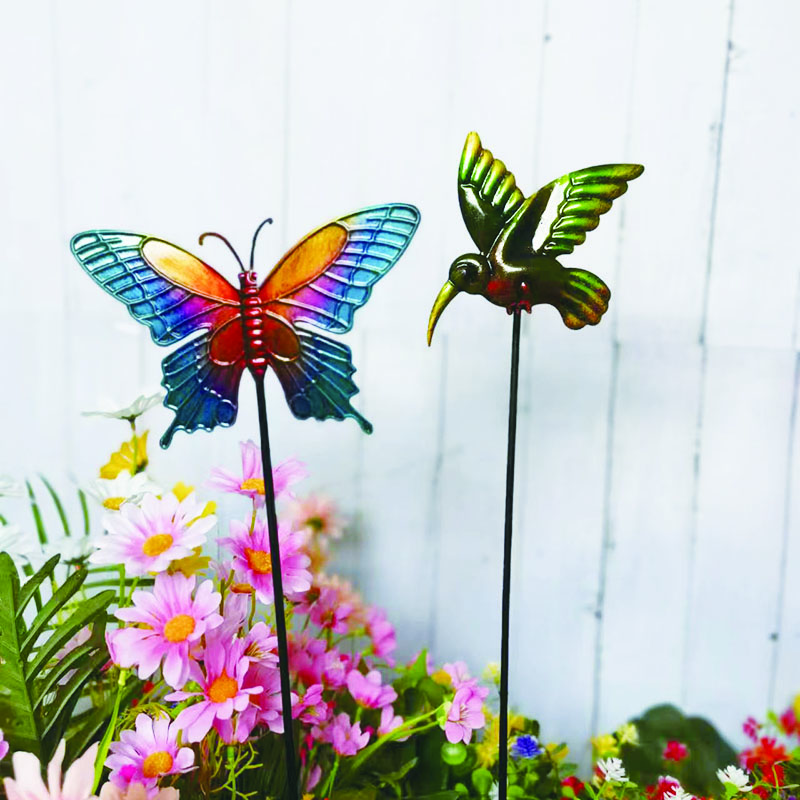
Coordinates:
[190,564]
[556,751]
[123,459]
[492,672]
[604,746]
[796,706]
[182,491]
[442,678]
[516,722]
[486,753]
[628,734]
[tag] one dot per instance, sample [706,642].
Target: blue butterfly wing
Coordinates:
[355,251]
[318,384]
[373,240]
[174,294]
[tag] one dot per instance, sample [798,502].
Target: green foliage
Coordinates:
[39,693]
[708,751]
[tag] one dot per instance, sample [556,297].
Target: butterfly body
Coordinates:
[520,238]
[321,282]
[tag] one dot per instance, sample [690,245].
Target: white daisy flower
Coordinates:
[738,777]
[9,487]
[135,409]
[612,769]
[111,493]
[678,794]
[14,542]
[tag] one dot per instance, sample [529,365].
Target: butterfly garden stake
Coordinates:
[321,282]
[518,241]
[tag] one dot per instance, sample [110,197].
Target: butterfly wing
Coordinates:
[322,281]
[574,203]
[487,193]
[175,294]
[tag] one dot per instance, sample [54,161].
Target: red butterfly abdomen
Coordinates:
[266,335]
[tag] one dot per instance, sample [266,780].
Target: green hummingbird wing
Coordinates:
[487,193]
[572,205]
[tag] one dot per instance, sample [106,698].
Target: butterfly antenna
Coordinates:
[255,236]
[223,239]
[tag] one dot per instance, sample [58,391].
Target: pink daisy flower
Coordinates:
[3,746]
[265,707]
[259,642]
[251,482]
[253,563]
[27,783]
[148,754]
[368,691]
[312,709]
[327,610]
[317,514]
[173,624]
[390,722]
[346,738]
[465,714]
[146,538]
[307,658]
[381,631]
[221,689]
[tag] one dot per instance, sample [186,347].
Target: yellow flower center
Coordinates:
[253,485]
[155,545]
[179,628]
[223,688]
[260,561]
[157,764]
[113,503]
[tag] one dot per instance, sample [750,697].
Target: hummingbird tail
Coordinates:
[583,298]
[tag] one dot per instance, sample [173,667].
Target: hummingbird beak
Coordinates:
[447,293]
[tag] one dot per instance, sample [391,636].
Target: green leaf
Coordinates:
[37,515]
[58,504]
[37,693]
[454,754]
[415,673]
[84,511]
[482,781]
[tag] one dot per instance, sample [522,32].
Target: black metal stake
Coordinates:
[506,610]
[277,583]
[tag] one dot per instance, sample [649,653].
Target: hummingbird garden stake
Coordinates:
[321,281]
[518,240]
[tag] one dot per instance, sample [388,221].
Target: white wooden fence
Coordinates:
[658,514]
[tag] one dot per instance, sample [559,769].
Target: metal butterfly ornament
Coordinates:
[519,238]
[321,281]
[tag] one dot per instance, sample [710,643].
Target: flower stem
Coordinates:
[109,734]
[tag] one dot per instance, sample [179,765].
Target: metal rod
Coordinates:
[277,583]
[506,610]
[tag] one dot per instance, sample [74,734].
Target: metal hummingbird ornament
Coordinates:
[519,240]
[321,282]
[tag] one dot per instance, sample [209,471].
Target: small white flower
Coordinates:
[14,542]
[678,794]
[738,777]
[135,409]
[9,487]
[111,493]
[612,769]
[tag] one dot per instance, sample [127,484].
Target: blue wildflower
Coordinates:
[526,746]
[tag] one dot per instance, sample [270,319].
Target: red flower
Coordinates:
[665,785]
[575,784]
[789,722]
[764,759]
[675,751]
[761,792]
